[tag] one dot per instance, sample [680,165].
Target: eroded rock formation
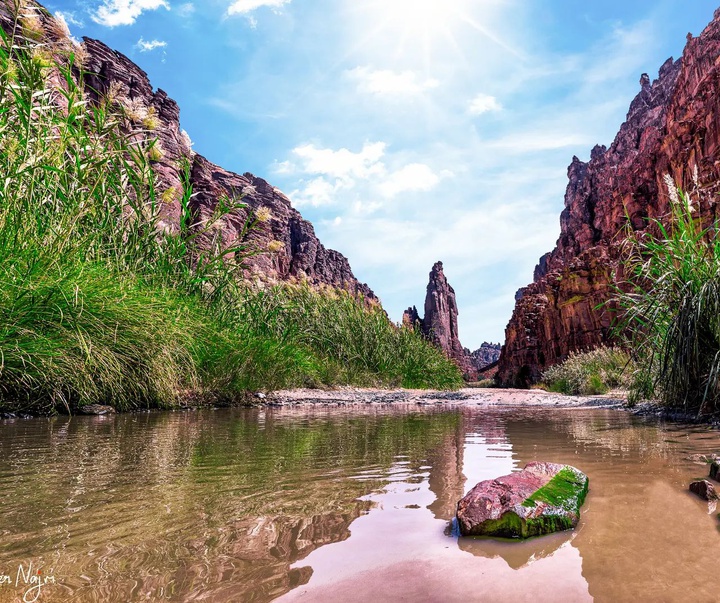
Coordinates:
[290,247]
[673,127]
[296,251]
[486,355]
[440,323]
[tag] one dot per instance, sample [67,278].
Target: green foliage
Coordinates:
[672,308]
[100,302]
[590,373]
[321,337]
[482,384]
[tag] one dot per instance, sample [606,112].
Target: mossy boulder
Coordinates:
[541,499]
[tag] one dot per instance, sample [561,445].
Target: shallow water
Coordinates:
[328,504]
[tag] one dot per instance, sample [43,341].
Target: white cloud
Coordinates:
[360,180]
[149,45]
[384,82]
[243,7]
[125,12]
[412,177]
[68,18]
[343,163]
[483,103]
[185,10]
[317,192]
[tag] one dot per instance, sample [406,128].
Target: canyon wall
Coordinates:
[673,127]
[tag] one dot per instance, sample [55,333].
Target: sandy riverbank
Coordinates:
[352,396]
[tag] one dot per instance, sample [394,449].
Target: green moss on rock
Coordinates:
[566,490]
[541,499]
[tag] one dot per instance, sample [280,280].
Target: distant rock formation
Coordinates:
[292,250]
[440,323]
[672,128]
[485,355]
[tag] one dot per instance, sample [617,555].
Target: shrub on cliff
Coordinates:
[590,373]
[672,307]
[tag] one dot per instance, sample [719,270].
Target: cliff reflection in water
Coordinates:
[183,506]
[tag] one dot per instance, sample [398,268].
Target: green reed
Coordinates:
[672,307]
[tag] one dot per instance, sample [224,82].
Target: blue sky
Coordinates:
[407,131]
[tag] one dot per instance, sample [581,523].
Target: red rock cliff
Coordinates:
[673,127]
[297,251]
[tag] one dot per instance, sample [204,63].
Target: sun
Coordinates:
[416,22]
[421,16]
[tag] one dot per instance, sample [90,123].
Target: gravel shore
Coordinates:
[352,396]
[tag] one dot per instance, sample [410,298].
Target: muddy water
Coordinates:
[321,504]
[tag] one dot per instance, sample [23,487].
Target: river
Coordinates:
[344,504]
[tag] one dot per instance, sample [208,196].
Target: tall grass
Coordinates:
[588,373]
[99,303]
[348,341]
[673,308]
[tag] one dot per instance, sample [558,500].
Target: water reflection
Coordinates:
[516,554]
[346,504]
[197,506]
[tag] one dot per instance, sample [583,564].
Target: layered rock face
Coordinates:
[290,249]
[440,323]
[296,251]
[673,127]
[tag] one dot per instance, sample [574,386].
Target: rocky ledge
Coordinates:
[541,499]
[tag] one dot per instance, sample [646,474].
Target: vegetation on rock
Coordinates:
[672,308]
[101,303]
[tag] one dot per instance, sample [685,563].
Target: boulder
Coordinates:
[704,489]
[715,470]
[541,499]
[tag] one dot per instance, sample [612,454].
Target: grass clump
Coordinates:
[672,308]
[590,373]
[101,302]
[326,336]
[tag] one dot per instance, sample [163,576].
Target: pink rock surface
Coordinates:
[500,507]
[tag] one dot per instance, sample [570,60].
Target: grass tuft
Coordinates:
[672,308]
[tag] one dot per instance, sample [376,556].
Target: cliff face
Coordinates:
[673,127]
[440,323]
[297,252]
[291,249]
